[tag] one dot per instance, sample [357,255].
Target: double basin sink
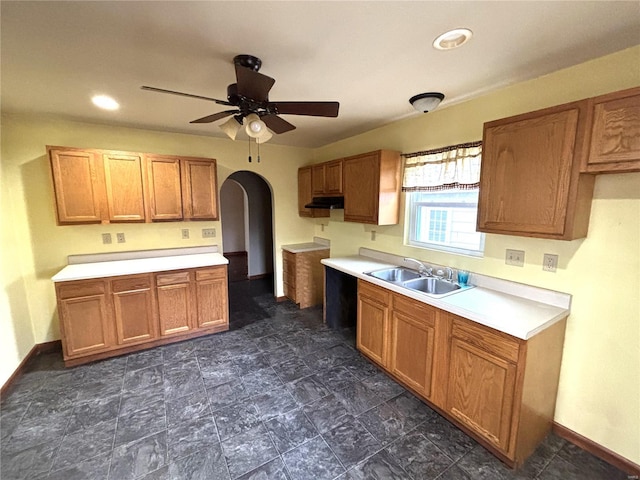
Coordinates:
[408,278]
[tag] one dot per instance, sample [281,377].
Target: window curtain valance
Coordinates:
[453,167]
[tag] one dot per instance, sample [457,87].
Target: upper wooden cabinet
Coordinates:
[164,189]
[78,181]
[326,178]
[372,188]
[123,180]
[305,195]
[614,144]
[530,182]
[199,189]
[96,186]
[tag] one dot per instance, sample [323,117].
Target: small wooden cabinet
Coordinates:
[372,187]
[305,195]
[500,389]
[134,309]
[104,317]
[302,277]
[530,181]
[96,186]
[85,320]
[326,178]
[78,180]
[614,144]
[164,189]
[374,319]
[413,326]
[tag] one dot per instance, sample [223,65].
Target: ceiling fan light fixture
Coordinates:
[105,102]
[452,39]
[231,127]
[426,102]
[254,126]
[265,136]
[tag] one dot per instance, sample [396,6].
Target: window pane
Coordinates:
[445,220]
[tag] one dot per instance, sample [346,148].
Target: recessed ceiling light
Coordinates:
[452,39]
[105,102]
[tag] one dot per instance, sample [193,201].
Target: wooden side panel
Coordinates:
[123,177]
[78,186]
[481,392]
[165,197]
[289,275]
[309,285]
[615,133]
[200,189]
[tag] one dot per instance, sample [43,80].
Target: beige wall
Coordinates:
[600,382]
[34,248]
[599,393]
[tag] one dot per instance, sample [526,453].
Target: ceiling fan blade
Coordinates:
[214,117]
[314,109]
[252,84]
[277,124]
[172,92]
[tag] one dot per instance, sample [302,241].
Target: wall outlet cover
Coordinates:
[550,262]
[120,237]
[106,238]
[185,233]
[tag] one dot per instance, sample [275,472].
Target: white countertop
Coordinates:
[83,271]
[304,247]
[519,313]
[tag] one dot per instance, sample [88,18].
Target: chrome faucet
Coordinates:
[449,271]
[422,268]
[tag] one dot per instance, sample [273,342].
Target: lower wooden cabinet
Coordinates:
[104,317]
[498,388]
[372,336]
[302,276]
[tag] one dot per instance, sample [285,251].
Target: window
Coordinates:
[444,220]
[442,199]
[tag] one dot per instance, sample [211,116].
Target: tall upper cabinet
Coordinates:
[530,182]
[614,142]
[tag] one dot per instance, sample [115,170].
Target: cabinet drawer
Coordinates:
[498,344]
[131,283]
[81,289]
[211,273]
[422,312]
[377,294]
[172,278]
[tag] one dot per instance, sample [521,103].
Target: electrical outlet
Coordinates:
[208,232]
[120,237]
[549,262]
[185,233]
[514,257]
[106,238]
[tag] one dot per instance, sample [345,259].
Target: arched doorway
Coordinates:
[246,209]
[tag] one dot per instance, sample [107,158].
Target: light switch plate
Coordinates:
[106,238]
[208,232]
[185,233]
[514,257]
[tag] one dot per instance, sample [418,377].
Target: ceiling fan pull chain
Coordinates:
[249,149]
[258,150]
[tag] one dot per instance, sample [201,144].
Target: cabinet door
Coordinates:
[134,309]
[305,195]
[79,186]
[212,298]
[200,189]
[372,336]
[361,188]
[164,191]
[123,177]
[333,177]
[529,182]
[615,133]
[85,322]
[412,344]
[318,180]
[175,298]
[481,392]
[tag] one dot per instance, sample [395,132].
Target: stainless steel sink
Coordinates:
[431,285]
[395,274]
[412,280]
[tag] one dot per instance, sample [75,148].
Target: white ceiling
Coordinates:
[370,56]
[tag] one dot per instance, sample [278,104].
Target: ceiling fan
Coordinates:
[250,97]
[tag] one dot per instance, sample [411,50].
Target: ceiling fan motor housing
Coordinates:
[248,61]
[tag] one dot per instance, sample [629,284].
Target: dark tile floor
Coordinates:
[279,396]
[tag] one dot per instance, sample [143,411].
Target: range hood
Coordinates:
[326,202]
